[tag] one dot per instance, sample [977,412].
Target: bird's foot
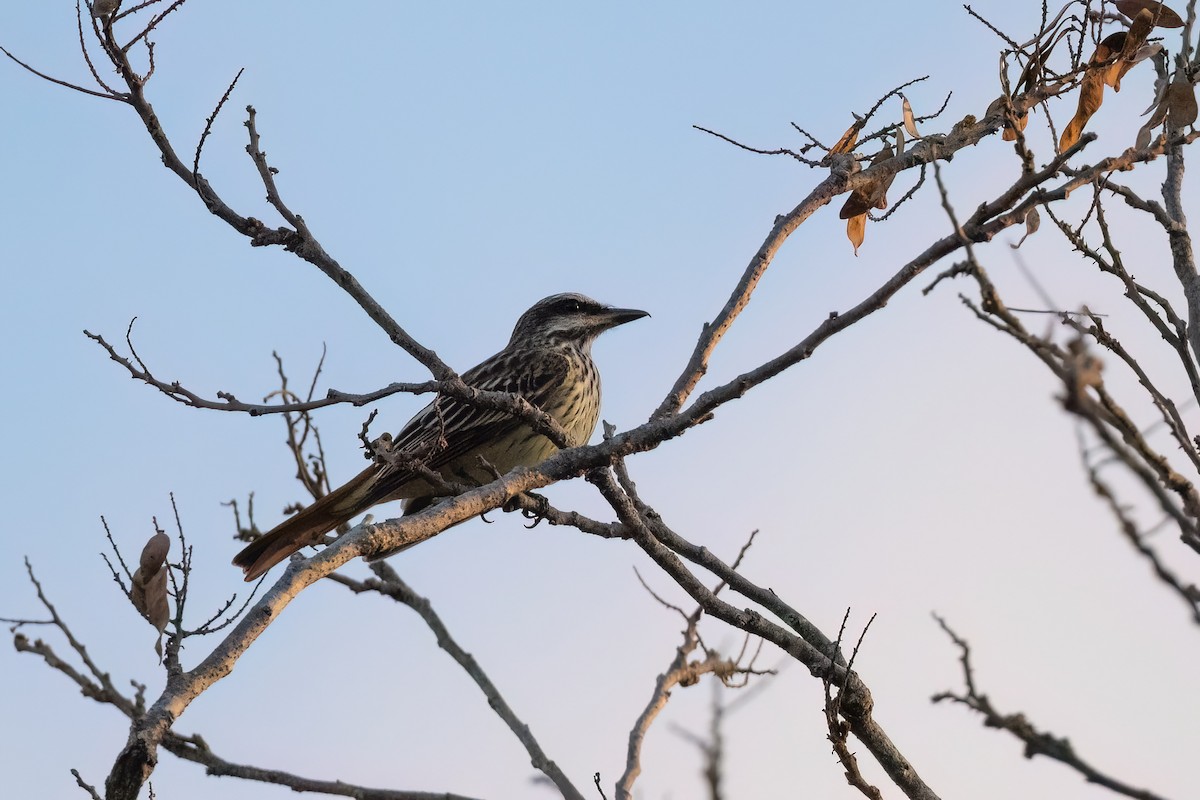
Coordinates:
[533,507]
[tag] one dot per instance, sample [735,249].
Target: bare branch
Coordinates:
[1189,594]
[389,584]
[195,749]
[1036,742]
[91,790]
[67,84]
[208,123]
[839,730]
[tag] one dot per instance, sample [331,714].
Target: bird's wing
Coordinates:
[448,429]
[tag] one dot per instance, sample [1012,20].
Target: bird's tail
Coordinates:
[308,526]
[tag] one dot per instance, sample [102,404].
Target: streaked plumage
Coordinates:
[547,361]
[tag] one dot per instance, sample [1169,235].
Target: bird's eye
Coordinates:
[574,306]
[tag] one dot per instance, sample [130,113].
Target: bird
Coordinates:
[547,361]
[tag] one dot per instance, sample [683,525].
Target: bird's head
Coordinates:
[570,318]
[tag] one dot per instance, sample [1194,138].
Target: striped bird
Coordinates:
[547,361]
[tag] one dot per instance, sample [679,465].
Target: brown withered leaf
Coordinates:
[856,230]
[1135,37]
[1159,116]
[858,203]
[1031,76]
[149,585]
[879,195]
[1091,89]
[1091,95]
[871,195]
[1138,32]
[1033,221]
[1109,46]
[154,554]
[1009,133]
[1143,137]
[847,142]
[1162,16]
[1160,80]
[1084,368]
[910,122]
[157,608]
[1181,103]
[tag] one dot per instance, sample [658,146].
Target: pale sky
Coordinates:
[462,162]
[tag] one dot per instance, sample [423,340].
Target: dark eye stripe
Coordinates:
[570,306]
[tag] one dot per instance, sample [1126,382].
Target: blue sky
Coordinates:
[463,162]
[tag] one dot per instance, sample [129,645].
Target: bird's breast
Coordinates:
[576,404]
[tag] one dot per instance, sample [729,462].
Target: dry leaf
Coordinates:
[899,140]
[879,193]
[1051,26]
[1031,76]
[149,585]
[1160,79]
[1181,103]
[1160,112]
[856,230]
[1009,134]
[858,203]
[910,122]
[1142,140]
[847,142]
[154,554]
[1091,89]
[157,608]
[1162,16]
[1135,37]
[870,195]
[1033,221]
[1147,51]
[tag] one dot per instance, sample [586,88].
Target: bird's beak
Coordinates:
[619,316]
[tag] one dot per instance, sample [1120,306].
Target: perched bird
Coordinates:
[547,361]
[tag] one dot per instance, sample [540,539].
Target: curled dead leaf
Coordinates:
[847,142]
[1135,38]
[1160,80]
[154,554]
[856,230]
[1031,76]
[1139,31]
[879,195]
[910,122]
[1181,103]
[1142,140]
[1009,133]
[1091,89]
[158,611]
[1091,95]
[872,194]
[1033,221]
[1162,16]
[149,585]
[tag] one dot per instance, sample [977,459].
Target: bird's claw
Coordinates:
[540,511]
